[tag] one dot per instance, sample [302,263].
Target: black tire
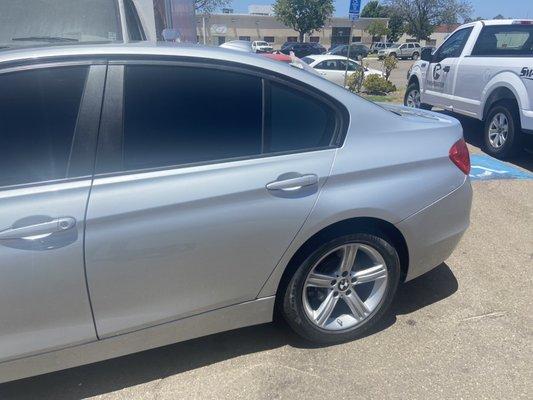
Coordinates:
[293,308]
[514,143]
[415,56]
[394,55]
[410,88]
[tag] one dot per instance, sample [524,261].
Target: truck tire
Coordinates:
[412,97]
[415,56]
[503,135]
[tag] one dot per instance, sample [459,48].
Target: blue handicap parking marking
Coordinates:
[485,168]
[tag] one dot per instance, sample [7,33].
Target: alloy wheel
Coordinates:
[345,287]
[498,130]
[413,99]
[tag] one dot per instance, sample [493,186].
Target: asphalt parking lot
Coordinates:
[463,330]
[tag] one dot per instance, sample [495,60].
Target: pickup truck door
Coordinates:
[441,72]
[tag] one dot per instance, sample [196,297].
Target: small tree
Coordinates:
[304,16]
[355,81]
[388,65]
[377,28]
[422,16]
[372,10]
[208,6]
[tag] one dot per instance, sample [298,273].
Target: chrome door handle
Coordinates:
[44,228]
[293,184]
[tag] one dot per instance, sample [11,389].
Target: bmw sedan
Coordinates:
[138,209]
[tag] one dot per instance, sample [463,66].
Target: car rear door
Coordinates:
[205,174]
[48,124]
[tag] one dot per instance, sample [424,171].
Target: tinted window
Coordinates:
[38,116]
[180,115]
[453,47]
[505,40]
[297,121]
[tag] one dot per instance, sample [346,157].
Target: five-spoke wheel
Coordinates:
[343,288]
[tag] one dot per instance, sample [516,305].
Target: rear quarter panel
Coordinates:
[390,167]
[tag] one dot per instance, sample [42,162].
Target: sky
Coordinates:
[482,8]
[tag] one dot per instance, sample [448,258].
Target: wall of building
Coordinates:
[220,28]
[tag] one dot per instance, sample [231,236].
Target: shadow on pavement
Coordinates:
[112,375]
[473,133]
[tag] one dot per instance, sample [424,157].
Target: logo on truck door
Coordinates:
[436,71]
[527,73]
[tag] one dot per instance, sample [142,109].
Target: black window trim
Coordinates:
[87,121]
[115,134]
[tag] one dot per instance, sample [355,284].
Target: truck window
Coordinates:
[27,23]
[505,40]
[454,45]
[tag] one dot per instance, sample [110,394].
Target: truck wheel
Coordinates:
[415,56]
[503,134]
[412,97]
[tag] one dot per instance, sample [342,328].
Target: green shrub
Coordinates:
[388,65]
[355,81]
[375,84]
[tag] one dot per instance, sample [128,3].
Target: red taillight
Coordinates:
[460,156]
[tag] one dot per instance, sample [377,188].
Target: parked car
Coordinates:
[138,208]
[377,46]
[302,50]
[238,45]
[357,51]
[292,60]
[401,51]
[333,68]
[262,47]
[483,70]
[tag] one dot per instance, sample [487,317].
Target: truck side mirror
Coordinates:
[426,55]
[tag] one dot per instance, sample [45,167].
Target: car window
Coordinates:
[505,40]
[37,123]
[327,65]
[297,121]
[134,24]
[453,47]
[417,45]
[308,60]
[411,46]
[352,66]
[182,115]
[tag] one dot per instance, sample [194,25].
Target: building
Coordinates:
[436,39]
[216,29]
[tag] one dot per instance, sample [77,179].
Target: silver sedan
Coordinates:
[154,194]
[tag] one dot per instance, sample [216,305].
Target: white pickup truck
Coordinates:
[483,70]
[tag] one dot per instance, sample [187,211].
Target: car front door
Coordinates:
[48,125]
[441,72]
[195,203]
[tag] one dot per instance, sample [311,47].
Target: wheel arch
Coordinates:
[345,227]
[498,94]
[413,79]
[504,86]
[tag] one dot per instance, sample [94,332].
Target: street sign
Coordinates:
[355,9]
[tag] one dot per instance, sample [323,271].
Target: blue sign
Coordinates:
[485,168]
[355,9]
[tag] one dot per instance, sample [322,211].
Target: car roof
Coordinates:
[36,55]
